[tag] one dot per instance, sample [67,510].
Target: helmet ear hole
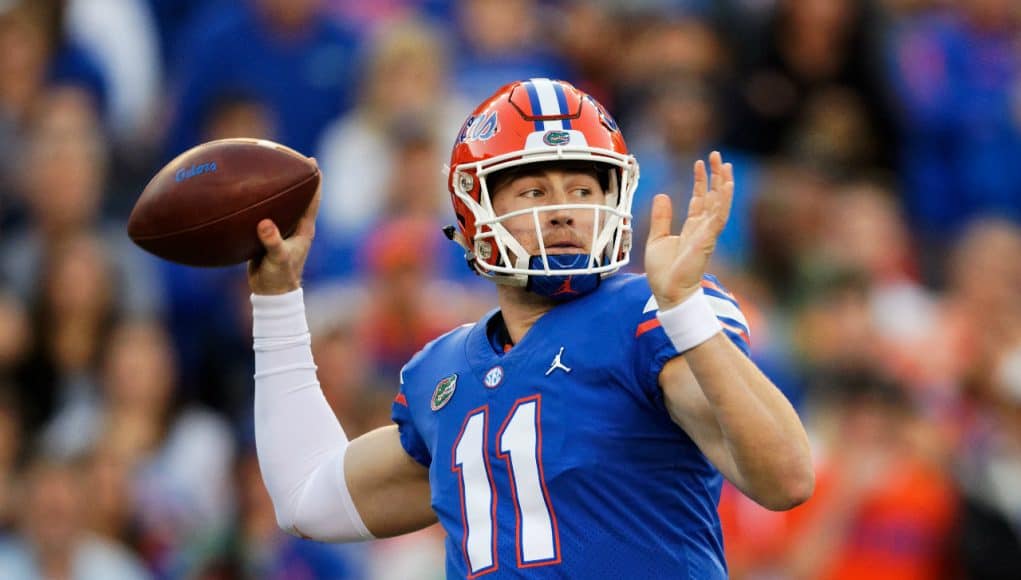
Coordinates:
[484,250]
[466,182]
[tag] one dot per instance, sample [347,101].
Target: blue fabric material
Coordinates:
[630,493]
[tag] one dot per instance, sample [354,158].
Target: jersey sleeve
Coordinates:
[411,439]
[728,312]
[654,348]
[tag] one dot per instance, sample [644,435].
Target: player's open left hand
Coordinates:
[279,270]
[675,263]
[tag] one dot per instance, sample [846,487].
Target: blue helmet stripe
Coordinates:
[562,101]
[533,98]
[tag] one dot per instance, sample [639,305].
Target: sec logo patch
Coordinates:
[494,377]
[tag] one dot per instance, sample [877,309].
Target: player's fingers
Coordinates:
[727,200]
[270,237]
[701,180]
[661,218]
[716,166]
[307,223]
[696,205]
[723,198]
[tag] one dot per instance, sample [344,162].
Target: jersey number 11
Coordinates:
[519,443]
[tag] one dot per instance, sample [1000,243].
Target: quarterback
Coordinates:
[581,429]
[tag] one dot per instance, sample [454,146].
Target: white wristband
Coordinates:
[690,323]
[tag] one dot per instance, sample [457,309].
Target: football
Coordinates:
[202,208]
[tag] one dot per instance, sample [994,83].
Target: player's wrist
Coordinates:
[279,315]
[690,323]
[268,281]
[676,296]
[274,289]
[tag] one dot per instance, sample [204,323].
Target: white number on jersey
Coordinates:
[519,443]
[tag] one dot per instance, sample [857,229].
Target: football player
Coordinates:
[580,430]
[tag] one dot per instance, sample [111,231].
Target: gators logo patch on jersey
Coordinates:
[444,391]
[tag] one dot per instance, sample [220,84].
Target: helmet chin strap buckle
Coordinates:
[562,288]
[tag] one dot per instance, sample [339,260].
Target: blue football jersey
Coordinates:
[558,459]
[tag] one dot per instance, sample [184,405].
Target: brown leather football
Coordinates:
[202,208]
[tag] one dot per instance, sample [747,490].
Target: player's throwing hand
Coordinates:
[675,263]
[279,270]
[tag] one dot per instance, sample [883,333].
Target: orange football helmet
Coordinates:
[539,121]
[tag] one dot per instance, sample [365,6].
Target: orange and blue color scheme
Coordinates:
[569,465]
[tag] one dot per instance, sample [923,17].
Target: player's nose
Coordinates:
[560,217]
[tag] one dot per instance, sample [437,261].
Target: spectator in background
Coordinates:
[284,53]
[33,56]
[492,52]
[174,19]
[983,310]
[833,134]
[51,540]
[412,194]
[351,382]
[865,230]
[15,334]
[256,548]
[990,472]
[11,443]
[884,507]
[591,43]
[833,327]
[981,306]
[663,48]
[404,95]
[811,57]
[179,456]
[122,36]
[112,508]
[679,121]
[410,306]
[63,174]
[68,63]
[380,13]
[786,222]
[956,74]
[74,307]
[23,64]
[233,114]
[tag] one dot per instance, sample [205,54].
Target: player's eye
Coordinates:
[532,193]
[583,192]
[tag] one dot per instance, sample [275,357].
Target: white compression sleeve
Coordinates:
[298,439]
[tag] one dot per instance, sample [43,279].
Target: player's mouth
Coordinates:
[564,248]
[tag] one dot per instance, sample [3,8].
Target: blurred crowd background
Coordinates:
[874,246]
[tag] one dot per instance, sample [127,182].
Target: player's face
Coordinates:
[564,231]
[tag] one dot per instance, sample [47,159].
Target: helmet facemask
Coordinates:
[495,252]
